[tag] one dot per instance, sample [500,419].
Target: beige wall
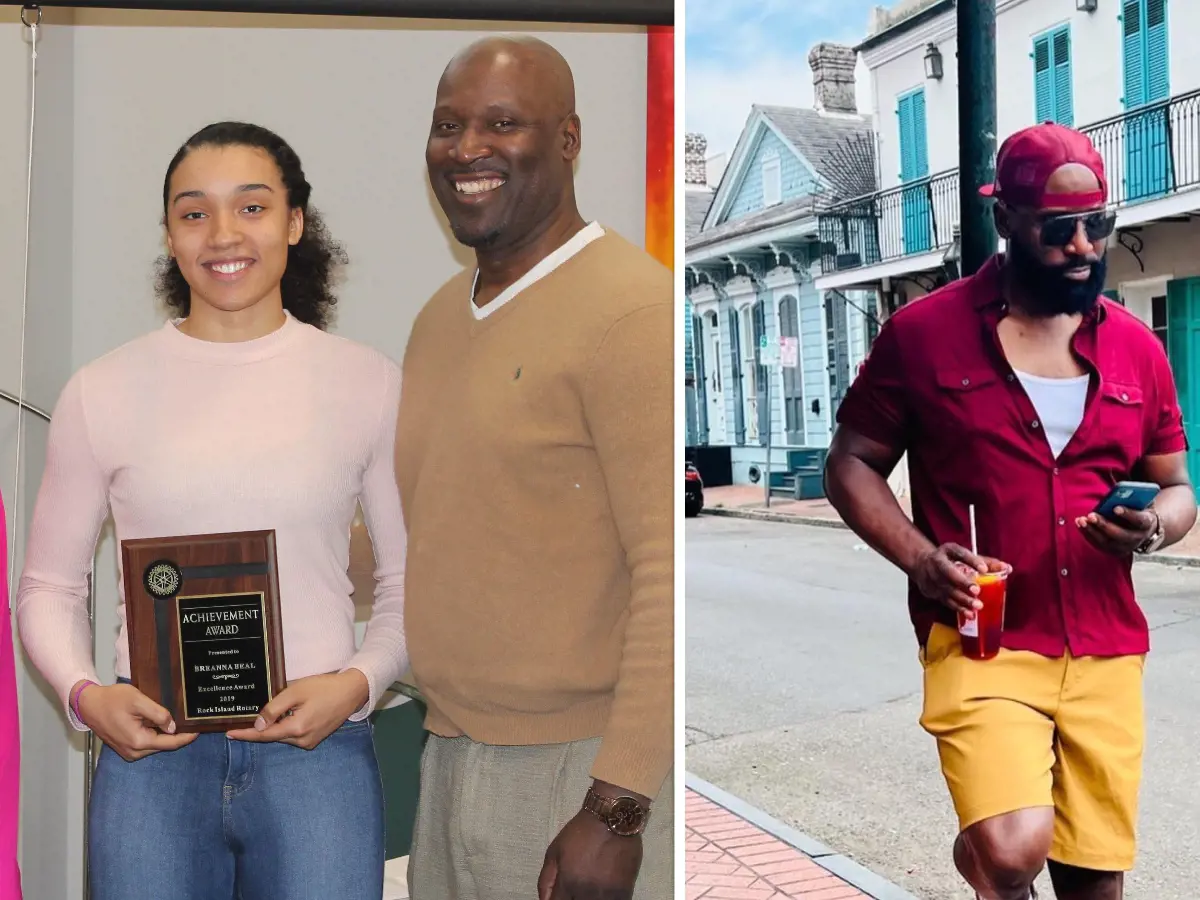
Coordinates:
[1168,249]
[118,92]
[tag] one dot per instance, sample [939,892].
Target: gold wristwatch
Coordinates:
[624,816]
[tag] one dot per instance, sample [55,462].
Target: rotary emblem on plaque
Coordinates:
[163,578]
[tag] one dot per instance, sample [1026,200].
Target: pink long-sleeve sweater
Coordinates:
[177,435]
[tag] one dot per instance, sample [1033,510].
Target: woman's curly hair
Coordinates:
[307,283]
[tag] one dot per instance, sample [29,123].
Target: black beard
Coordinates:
[1047,290]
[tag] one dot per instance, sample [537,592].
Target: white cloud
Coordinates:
[718,97]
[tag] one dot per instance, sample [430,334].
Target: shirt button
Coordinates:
[1056,470]
[966,381]
[1124,396]
[1064,573]
[1035,424]
[1009,376]
[1062,521]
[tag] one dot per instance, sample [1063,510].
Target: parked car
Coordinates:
[693,488]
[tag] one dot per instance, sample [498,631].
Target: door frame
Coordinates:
[1183,321]
[795,391]
[716,419]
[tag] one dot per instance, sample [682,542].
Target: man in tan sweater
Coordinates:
[535,463]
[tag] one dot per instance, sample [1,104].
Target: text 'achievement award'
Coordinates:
[205,637]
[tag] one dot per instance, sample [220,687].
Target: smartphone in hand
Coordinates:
[1136,495]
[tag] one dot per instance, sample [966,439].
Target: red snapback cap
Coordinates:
[1029,157]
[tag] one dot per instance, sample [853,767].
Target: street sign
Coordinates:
[789,352]
[768,353]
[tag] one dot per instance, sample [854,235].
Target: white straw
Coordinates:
[974,543]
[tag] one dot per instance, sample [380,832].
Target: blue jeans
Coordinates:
[232,820]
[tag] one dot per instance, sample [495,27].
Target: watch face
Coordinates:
[626,818]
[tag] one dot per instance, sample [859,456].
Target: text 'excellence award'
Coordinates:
[205,636]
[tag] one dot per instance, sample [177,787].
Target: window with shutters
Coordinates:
[914,151]
[1148,169]
[1147,61]
[749,373]
[1052,88]
[793,378]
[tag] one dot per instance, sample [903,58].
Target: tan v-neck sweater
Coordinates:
[535,463]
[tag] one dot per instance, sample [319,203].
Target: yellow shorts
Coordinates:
[1023,730]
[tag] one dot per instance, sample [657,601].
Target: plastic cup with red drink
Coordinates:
[980,634]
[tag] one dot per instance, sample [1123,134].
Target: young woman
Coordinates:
[239,414]
[10,736]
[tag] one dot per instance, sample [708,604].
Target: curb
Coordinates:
[842,866]
[1158,559]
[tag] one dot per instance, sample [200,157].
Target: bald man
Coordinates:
[534,458]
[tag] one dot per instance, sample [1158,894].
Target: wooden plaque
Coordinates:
[205,636]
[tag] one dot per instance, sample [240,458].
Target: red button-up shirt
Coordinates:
[936,382]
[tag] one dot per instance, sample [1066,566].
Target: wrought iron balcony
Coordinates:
[914,218]
[1149,153]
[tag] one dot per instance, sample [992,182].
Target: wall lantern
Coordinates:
[933,60]
[1086,5]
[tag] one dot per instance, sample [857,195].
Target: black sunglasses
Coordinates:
[1059,230]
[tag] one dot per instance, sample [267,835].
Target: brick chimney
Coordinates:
[833,77]
[695,168]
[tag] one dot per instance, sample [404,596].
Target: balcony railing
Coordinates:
[916,217]
[1149,153]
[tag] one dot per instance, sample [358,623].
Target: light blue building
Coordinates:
[752,254]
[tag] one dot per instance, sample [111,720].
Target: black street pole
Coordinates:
[976,129]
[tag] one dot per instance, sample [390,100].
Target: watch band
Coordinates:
[623,816]
[1155,540]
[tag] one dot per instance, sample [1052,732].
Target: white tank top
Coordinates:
[1059,403]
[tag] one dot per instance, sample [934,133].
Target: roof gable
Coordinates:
[810,146]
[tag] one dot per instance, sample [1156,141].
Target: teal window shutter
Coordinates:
[1158,74]
[1135,79]
[907,163]
[921,152]
[1052,91]
[1064,108]
[1043,82]
[914,151]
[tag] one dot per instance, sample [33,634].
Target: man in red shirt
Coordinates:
[1020,391]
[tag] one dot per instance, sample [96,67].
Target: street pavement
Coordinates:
[803,693]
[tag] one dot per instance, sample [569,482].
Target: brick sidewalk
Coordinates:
[729,858]
[749,499]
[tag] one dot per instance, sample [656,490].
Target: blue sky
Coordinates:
[740,52]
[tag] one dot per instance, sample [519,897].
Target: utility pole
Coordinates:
[976,129]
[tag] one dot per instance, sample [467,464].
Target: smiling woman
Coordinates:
[240,230]
[284,427]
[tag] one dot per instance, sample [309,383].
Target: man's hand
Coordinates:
[947,574]
[128,721]
[1123,534]
[308,710]
[588,862]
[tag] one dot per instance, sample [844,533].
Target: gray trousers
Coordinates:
[486,815]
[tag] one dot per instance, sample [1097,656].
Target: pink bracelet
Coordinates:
[76,694]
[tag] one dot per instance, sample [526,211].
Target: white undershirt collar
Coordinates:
[552,261]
